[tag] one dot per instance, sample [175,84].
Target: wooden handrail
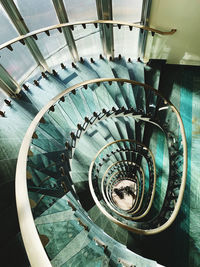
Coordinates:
[154,184]
[34,248]
[63,25]
[141,199]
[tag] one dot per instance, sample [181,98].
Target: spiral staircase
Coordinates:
[99,132]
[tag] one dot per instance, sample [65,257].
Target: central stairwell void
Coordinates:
[100,133]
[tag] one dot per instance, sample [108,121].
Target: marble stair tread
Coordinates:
[105,132]
[42,94]
[8,126]
[91,255]
[36,177]
[41,203]
[97,137]
[77,243]
[59,206]
[60,234]
[68,76]
[43,160]
[55,216]
[94,213]
[44,140]
[130,127]
[103,222]
[120,70]
[103,98]
[51,123]
[121,235]
[104,70]
[84,153]
[51,170]
[121,129]
[24,108]
[51,84]
[110,128]
[130,257]
[110,228]
[60,116]
[80,103]
[136,73]
[25,103]
[78,176]
[91,100]
[52,129]
[70,108]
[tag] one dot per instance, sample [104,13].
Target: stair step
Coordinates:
[60,234]
[90,256]
[77,244]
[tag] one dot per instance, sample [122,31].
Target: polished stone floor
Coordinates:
[128,200]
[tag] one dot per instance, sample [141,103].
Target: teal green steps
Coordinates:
[103,70]
[23,106]
[136,73]
[72,250]
[59,206]
[101,95]
[41,203]
[36,177]
[113,230]
[70,108]
[25,102]
[61,117]
[40,95]
[46,142]
[90,255]
[128,258]
[43,160]
[152,77]
[120,70]
[67,76]
[60,228]
[79,101]
[52,170]
[79,176]
[119,122]
[108,130]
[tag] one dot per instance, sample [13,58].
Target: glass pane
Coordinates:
[127,10]
[37,14]
[7,30]
[3,96]
[19,63]
[88,41]
[126,42]
[53,48]
[81,10]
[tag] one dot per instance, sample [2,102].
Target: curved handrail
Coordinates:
[154,184]
[153,159]
[71,24]
[35,251]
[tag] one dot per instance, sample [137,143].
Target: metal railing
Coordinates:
[33,245]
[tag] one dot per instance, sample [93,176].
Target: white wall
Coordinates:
[184,46]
